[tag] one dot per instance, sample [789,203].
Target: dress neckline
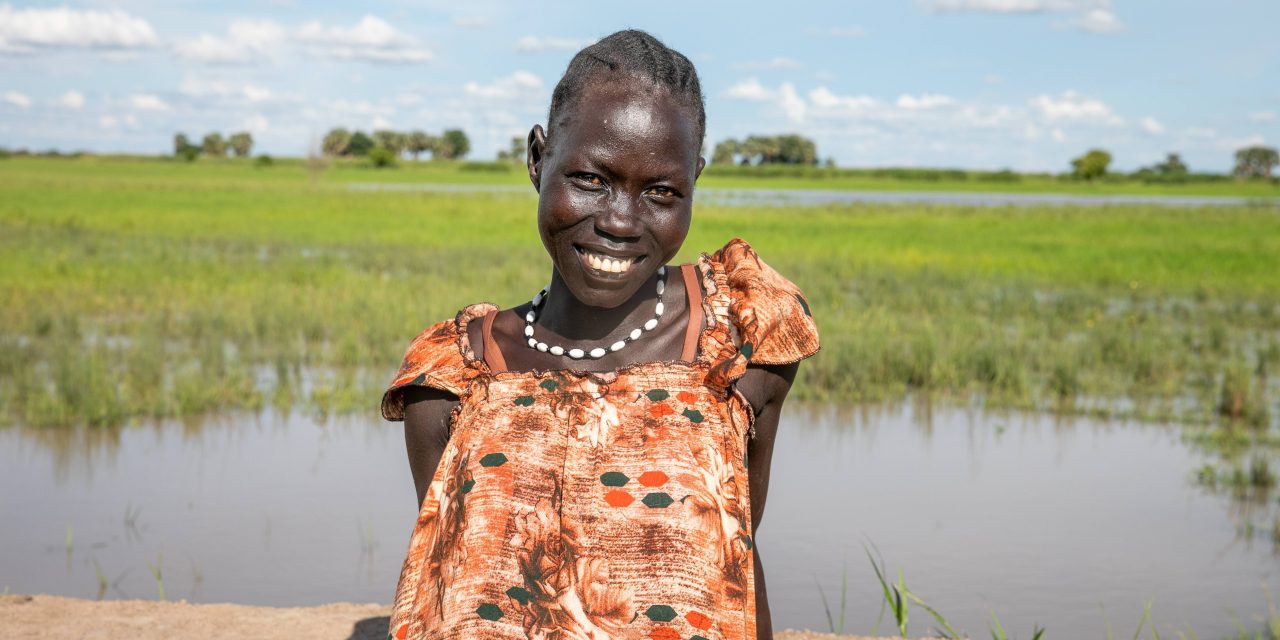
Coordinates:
[699,322]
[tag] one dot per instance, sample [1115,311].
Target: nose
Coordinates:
[620,217]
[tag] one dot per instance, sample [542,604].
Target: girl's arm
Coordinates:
[765,387]
[426,432]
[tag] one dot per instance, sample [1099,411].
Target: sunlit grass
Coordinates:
[137,289]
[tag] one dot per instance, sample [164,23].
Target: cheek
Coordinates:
[671,231]
[557,212]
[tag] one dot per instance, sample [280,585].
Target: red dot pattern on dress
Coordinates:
[660,410]
[698,620]
[617,498]
[664,633]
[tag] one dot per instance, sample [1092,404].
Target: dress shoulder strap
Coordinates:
[492,354]
[693,332]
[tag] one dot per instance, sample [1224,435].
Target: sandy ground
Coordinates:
[58,617]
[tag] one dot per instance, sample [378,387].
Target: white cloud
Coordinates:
[1001,6]
[1072,107]
[148,102]
[71,100]
[992,78]
[256,123]
[27,30]
[1059,136]
[371,40]
[792,104]
[19,100]
[536,44]
[1201,132]
[846,32]
[204,88]
[825,99]
[749,89]
[772,64]
[1151,126]
[925,101]
[1262,116]
[1098,20]
[470,23]
[1095,16]
[108,122]
[246,41]
[521,85]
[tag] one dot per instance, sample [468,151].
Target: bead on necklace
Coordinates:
[597,352]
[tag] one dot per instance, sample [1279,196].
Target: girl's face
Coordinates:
[615,189]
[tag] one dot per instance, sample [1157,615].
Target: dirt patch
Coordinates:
[58,617]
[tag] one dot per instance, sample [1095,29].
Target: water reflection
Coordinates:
[1036,517]
[816,197]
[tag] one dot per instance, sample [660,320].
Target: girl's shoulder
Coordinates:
[771,317]
[440,357]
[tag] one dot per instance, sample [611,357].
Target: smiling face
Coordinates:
[615,188]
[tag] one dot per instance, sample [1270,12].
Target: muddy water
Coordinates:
[1069,524]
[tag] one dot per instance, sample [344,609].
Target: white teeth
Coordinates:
[607,264]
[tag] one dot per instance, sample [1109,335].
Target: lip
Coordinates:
[603,276]
[612,253]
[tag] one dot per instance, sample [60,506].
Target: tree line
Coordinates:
[384,146]
[757,150]
[213,144]
[1251,162]
[451,144]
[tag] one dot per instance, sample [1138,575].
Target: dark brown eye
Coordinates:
[588,178]
[662,192]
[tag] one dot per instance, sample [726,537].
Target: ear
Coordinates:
[537,150]
[702,162]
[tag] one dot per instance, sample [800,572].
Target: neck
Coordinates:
[567,317]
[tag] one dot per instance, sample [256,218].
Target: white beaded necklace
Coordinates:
[598,352]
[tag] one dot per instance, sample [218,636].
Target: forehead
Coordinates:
[627,114]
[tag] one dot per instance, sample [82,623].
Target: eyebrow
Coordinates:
[665,172]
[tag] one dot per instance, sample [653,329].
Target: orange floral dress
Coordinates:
[577,505]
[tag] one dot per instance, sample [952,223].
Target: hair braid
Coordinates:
[636,53]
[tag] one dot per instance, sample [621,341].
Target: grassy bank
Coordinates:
[717,176]
[136,289]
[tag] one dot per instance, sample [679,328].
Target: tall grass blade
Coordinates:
[946,629]
[1146,613]
[156,572]
[884,586]
[844,580]
[997,629]
[825,607]
[102,579]
[900,603]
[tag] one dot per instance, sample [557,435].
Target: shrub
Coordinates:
[382,157]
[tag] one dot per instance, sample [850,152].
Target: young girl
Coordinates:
[594,463]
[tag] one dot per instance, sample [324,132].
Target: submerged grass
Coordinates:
[137,290]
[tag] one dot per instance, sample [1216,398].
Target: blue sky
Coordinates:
[1024,84]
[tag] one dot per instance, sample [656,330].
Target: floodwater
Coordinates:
[1068,523]
[816,197]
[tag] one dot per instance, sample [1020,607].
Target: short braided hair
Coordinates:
[636,53]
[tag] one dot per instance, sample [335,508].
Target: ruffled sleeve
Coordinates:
[435,359]
[769,317]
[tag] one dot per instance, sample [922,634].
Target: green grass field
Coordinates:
[135,289]
[715,176]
